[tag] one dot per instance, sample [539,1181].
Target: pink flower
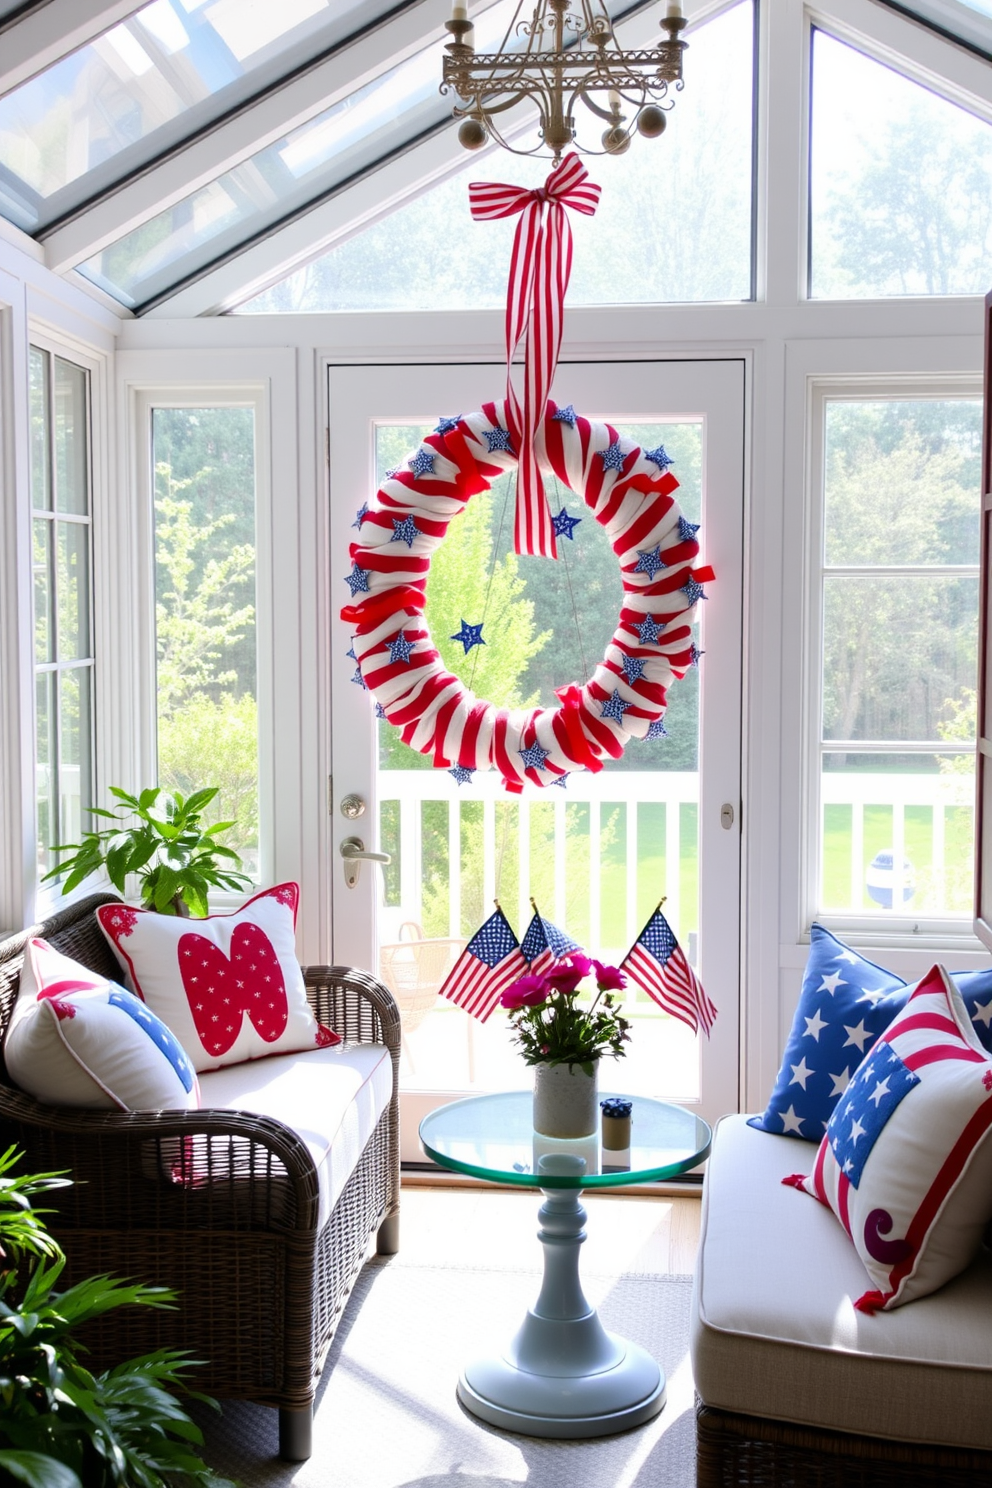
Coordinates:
[565,978]
[529,991]
[581,960]
[609,978]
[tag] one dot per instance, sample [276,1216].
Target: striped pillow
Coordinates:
[906,1162]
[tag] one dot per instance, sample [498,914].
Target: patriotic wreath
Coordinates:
[629,492]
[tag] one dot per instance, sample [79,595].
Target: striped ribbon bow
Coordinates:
[540,266]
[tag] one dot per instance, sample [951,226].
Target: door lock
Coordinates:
[726,816]
[353,851]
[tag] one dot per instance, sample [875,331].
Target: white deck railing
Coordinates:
[411,788]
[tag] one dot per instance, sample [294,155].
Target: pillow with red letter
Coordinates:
[230,985]
[906,1162]
[76,1039]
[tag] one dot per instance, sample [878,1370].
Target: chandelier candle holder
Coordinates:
[565,54]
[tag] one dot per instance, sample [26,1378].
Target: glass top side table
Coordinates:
[562,1374]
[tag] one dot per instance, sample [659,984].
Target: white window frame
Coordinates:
[105,600]
[266,382]
[823,391]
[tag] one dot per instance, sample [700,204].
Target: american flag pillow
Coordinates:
[906,1162]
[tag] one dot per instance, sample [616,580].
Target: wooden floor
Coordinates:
[496,1228]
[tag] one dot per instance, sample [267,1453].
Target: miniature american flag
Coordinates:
[489,964]
[544,945]
[657,963]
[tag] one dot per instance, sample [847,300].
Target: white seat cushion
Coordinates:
[775,1332]
[332,1098]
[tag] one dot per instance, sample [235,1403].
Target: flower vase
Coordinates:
[566,1100]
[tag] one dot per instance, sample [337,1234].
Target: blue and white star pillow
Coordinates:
[906,1160]
[77,1039]
[846,1001]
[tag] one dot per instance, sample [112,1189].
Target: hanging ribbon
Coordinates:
[540,266]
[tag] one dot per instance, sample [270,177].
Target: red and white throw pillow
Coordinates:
[906,1162]
[229,985]
[76,1039]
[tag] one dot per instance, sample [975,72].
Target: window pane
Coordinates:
[46,754]
[73,589]
[897,655]
[205,612]
[71,481]
[44,628]
[41,478]
[883,810]
[902,481]
[674,223]
[76,736]
[157,77]
[900,184]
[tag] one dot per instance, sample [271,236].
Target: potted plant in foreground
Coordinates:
[565,1037]
[60,1425]
[177,859]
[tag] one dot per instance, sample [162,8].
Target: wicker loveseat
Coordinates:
[795,1388]
[222,1204]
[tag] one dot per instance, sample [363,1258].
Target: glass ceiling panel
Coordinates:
[298,170]
[968,20]
[157,78]
[674,223]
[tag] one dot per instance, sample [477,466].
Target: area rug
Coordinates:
[387,1416]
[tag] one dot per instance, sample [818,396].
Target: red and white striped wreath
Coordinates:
[629,492]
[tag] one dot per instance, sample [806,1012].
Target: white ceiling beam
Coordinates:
[46,35]
[358,206]
[230,143]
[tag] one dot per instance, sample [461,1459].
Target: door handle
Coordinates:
[353,851]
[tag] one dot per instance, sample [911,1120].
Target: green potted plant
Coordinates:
[177,860]
[62,1426]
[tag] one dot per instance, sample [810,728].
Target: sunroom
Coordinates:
[240,283]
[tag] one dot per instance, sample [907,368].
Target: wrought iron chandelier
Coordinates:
[565,54]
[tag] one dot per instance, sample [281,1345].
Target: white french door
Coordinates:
[601,854]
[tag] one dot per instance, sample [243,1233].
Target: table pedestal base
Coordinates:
[563,1374]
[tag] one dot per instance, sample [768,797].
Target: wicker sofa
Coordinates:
[797,1388]
[223,1204]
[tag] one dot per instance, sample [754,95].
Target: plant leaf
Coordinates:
[38,1470]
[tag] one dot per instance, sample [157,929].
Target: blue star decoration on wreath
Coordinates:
[358,580]
[692,590]
[694,655]
[445,425]
[560,779]
[612,457]
[687,529]
[534,757]
[566,415]
[360,515]
[650,561]
[350,653]
[405,531]
[380,711]
[633,667]
[462,774]
[359,679]
[615,707]
[422,463]
[498,439]
[400,649]
[659,457]
[656,730]
[469,635]
[565,525]
[649,630]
